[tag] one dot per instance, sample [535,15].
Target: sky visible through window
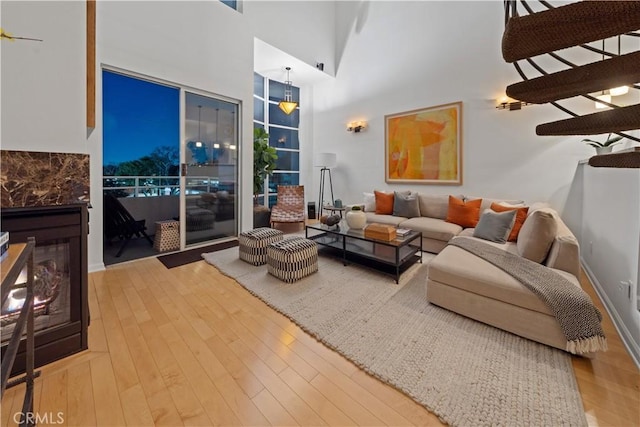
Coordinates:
[138,117]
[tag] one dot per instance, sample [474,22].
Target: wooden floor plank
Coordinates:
[183,395]
[107,404]
[135,407]
[5,408]
[298,409]
[81,407]
[271,408]
[123,367]
[96,336]
[250,385]
[341,399]
[210,397]
[327,410]
[53,402]
[16,406]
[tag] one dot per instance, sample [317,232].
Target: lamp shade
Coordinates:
[326,160]
[287,106]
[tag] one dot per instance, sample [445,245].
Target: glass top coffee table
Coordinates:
[353,246]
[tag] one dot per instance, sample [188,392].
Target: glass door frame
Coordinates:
[183,164]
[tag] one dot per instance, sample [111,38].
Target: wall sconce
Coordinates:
[356,126]
[513,105]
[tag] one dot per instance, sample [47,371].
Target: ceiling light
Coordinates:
[617,91]
[287,104]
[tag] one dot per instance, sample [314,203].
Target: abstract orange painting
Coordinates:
[424,146]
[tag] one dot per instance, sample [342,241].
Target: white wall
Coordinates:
[398,56]
[43,83]
[610,243]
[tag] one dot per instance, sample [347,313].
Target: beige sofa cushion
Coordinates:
[460,269]
[432,228]
[384,219]
[537,235]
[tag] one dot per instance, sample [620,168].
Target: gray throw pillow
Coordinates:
[405,204]
[495,226]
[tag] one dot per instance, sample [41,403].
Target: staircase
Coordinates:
[558,32]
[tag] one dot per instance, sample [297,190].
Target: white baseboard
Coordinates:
[96,267]
[627,338]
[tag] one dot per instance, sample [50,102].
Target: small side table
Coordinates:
[334,209]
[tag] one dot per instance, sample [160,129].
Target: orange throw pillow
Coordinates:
[520,217]
[384,203]
[465,213]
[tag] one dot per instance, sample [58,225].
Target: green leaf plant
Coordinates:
[264,161]
[608,143]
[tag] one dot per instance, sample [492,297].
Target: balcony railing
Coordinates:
[155,186]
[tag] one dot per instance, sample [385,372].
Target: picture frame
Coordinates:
[424,146]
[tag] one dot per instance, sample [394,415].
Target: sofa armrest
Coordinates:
[564,253]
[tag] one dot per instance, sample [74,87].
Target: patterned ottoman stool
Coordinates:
[292,259]
[253,244]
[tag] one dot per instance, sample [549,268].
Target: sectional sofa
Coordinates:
[466,284]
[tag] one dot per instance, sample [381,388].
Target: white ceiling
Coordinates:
[271,62]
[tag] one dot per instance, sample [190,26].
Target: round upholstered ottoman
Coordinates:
[292,259]
[254,243]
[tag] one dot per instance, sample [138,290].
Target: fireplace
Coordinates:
[60,281]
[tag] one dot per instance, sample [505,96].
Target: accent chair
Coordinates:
[289,205]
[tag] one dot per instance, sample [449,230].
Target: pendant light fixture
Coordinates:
[199,141]
[287,104]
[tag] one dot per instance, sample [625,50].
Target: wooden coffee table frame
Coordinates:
[396,253]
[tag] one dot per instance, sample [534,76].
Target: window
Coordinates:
[141,136]
[233,4]
[282,129]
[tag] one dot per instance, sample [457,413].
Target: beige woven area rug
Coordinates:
[465,372]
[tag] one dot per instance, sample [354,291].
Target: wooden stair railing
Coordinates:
[622,70]
[568,26]
[608,121]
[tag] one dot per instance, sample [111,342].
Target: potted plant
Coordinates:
[264,162]
[604,147]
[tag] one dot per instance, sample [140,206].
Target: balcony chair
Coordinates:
[118,222]
[289,205]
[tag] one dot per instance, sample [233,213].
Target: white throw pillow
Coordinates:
[369,202]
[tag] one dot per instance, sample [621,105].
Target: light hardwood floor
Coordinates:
[190,346]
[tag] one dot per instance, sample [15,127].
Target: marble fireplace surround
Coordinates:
[31,178]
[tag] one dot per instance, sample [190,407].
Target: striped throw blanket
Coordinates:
[579,319]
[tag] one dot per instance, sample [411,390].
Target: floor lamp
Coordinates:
[325,161]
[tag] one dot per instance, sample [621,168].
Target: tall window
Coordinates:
[282,129]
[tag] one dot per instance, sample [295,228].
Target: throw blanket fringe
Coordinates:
[587,345]
[578,318]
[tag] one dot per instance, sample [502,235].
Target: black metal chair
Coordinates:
[119,223]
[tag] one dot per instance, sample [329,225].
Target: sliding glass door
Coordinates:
[210,168]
